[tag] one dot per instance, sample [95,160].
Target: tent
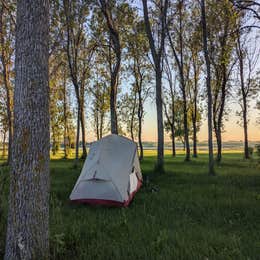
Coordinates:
[111,174]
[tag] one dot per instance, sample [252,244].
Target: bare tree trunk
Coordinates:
[65,134]
[28,217]
[83,131]
[219,145]
[208,82]
[77,138]
[140,117]
[186,129]
[246,150]
[194,114]
[195,154]
[160,132]
[173,141]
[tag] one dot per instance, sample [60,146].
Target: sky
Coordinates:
[233,131]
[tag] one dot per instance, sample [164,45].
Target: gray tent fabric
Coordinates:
[111,172]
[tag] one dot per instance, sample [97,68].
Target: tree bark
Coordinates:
[157,60]
[83,131]
[160,128]
[140,119]
[28,217]
[114,36]
[65,133]
[208,82]
[244,98]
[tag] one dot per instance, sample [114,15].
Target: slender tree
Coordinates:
[79,50]
[157,50]
[208,83]
[247,59]
[28,218]
[115,69]
[179,49]
[6,56]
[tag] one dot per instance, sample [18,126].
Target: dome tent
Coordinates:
[111,174]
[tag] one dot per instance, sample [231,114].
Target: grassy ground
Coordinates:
[183,214]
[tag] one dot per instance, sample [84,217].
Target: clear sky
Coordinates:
[233,131]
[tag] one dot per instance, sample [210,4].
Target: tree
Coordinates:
[208,83]
[170,106]
[115,44]
[183,63]
[222,44]
[28,217]
[140,68]
[7,25]
[79,53]
[157,49]
[194,89]
[247,54]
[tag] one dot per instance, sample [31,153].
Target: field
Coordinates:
[183,214]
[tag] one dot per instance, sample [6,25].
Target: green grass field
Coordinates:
[183,214]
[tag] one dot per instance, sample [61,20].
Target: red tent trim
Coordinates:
[110,202]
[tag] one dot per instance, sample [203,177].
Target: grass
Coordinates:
[183,214]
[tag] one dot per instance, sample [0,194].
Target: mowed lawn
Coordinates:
[183,214]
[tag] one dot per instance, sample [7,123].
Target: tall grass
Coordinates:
[184,214]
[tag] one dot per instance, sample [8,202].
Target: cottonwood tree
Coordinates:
[222,21]
[169,102]
[247,51]
[115,47]
[28,217]
[194,46]
[205,36]
[156,36]
[7,25]
[140,68]
[101,98]
[179,49]
[80,50]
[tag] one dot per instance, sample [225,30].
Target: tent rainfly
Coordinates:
[111,174]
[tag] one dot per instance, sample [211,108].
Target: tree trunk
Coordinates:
[173,141]
[28,217]
[113,102]
[246,150]
[208,82]
[140,117]
[194,114]
[219,144]
[114,36]
[160,132]
[77,137]
[195,154]
[186,129]
[83,131]
[65,133]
